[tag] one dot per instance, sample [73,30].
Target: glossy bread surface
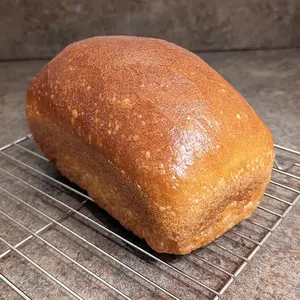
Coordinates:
[157,137]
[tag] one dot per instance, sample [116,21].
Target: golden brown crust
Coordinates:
[156,137]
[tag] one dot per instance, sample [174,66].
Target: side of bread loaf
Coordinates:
[158,138]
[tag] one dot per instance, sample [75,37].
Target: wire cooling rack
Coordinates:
[57,243]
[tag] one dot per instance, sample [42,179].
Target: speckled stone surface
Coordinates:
[269,80]
[35,29]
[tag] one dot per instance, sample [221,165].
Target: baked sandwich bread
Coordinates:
[158,139]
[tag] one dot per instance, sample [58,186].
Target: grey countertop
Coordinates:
[269,80]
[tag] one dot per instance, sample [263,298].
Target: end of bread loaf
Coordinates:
[158,138]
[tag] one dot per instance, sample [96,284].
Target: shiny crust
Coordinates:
[158,138]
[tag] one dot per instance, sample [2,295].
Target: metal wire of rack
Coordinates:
[39,206]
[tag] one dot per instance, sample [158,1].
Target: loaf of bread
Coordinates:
[159,139]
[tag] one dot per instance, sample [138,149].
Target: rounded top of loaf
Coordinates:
[153,109]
